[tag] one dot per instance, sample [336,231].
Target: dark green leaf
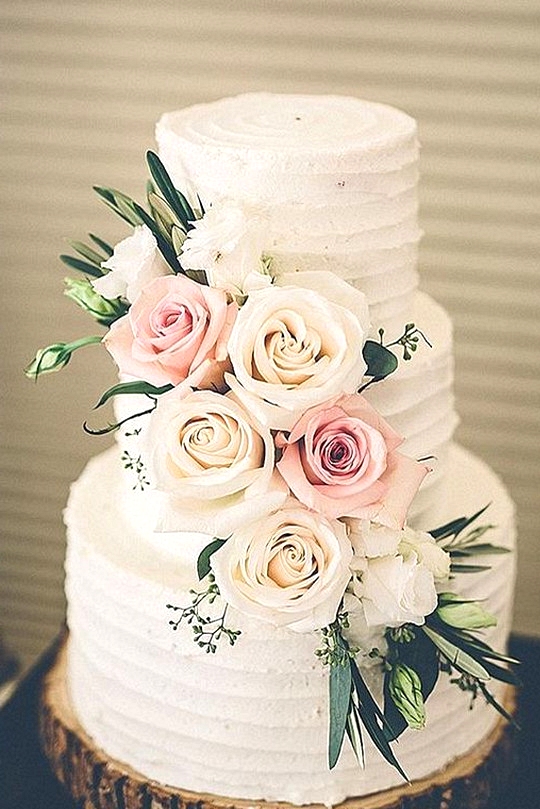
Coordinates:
[107,249]
[135,387]
[118,202]
[485,549]
[176,200]
[340,698]
[374,720]
[203,562]
[459,568]
[490,699]
[81,266]
[455,527]
[458,658]
[87,252]
[380,361]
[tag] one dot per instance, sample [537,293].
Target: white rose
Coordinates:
[296,345]
[289,569]
[371,539]
[227,243]
[429,554]
[396,591]
[213,460]
[135,262]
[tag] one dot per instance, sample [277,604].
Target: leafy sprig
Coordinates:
[461,544]
[353,709]
[381,361]
[90,259]
[208,628]
[170,218]
[136,464]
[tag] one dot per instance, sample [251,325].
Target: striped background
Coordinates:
[83,84]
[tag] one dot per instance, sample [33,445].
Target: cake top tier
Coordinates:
[298,133]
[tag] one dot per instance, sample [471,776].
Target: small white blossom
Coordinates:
[135,262]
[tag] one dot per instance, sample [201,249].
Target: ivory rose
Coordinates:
[227,243]
[175,331]
[340,458]
[395,573]
[135,262]
[213,460]
[298,344]
[289,569]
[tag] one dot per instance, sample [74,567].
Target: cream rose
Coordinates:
[135,262]
[214,461]
[289,569]
[298,344]
[227,243]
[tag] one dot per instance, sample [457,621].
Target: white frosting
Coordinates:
[251,721]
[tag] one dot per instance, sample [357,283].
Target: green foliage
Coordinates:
[203,562]
[103,310]
[349,693]
[56,356]
[136,464]
[463,546]
[130,388]
[208,628]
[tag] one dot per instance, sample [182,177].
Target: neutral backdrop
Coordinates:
[84,83]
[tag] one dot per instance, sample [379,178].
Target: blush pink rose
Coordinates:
[176,330]
[340,459]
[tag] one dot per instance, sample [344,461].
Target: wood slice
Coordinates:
[96,781]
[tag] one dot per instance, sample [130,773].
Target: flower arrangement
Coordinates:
[258,434]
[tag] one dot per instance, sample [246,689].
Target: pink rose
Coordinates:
[175,330]
[340,459]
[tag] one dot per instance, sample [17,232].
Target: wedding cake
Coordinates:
[285,581]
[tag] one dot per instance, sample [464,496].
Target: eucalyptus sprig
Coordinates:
[381,361]
[352,706]
[208,629]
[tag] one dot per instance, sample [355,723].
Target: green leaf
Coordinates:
[373,719]
[135,387]
[107,249]
[119,203]
[81,266]
[176,200]
[455,527]
[405,688]
[456,567]
[340,698]
[203,562]
[87,252]
[484,549]
[456,656]
[380,361]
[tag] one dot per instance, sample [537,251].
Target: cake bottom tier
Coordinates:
[251,721]
[95,781]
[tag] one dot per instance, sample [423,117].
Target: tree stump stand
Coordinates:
[97,782]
